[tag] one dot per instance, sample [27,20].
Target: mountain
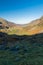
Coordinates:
[34,27]
[5,23]
[8,27]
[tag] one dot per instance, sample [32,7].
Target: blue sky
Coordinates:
[21,11]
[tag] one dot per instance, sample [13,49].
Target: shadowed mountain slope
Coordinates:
[21,50]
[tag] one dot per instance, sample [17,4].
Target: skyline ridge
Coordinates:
[41,17]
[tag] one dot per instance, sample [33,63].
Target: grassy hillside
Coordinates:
[34,27]
[21,50]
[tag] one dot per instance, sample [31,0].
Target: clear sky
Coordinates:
[21,11]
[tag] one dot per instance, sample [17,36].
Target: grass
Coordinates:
[25,51]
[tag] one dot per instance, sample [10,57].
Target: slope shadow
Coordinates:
[14,37]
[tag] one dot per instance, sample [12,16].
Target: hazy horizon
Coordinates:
[21,11]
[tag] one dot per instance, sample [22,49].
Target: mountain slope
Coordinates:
[34,27]
[4,23]
[8,27]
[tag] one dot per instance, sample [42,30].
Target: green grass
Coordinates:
[24,54]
